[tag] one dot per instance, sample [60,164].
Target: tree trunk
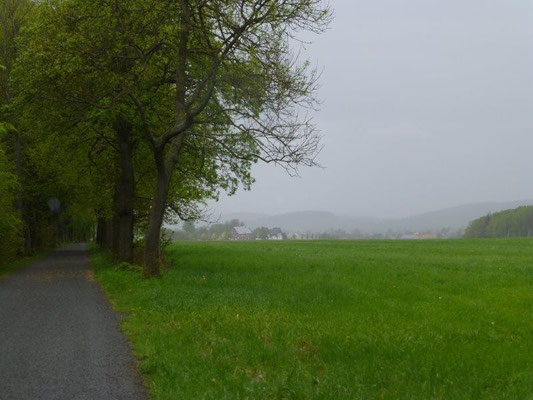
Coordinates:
[152,256]
[126,194]
[108,234]
[115,223]
[100,231]
[19,202]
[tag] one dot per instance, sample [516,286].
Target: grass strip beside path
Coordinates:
[14,265]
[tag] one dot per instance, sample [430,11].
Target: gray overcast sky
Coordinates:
[427,104]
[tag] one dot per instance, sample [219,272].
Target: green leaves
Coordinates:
[209,89]
[9,221]
[517,222]
[6,128]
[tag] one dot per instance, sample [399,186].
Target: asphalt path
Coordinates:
[59,338]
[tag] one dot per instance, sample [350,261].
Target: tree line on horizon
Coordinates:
[517,222]
[120,116]
[216,231]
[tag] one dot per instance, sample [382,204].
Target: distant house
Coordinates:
[417,235]
[276,234]
[241,233]
[427,235]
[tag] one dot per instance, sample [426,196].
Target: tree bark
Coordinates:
[108,234]
[152,251]
[100,231]
[115,223]
[123,219]
[19,202]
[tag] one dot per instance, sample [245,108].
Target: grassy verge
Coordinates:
[12,266]
[333,320]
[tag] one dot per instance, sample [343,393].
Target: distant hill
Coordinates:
[240,216]
[454,218]
[315,221]
[517,222]
[303,221]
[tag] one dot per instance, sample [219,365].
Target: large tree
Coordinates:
[13,15]
[69,81]
[9,220]
[207,87]
[231,83]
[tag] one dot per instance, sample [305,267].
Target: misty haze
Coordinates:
[266,199]
[426,105]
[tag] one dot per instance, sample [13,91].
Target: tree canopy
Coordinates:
[517,222]
[133,113]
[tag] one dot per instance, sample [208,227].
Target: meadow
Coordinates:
[332,319]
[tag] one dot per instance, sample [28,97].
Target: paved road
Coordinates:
[59,338]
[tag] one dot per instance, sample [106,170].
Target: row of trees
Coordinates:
[9,219]
[509,223]
[129,114]
[217,231]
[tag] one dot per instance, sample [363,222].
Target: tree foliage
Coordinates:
[517,222]
[143,110]
[9,221]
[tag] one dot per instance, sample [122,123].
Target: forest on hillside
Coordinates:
[517,222]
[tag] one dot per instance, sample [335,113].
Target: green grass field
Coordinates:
[333,320]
